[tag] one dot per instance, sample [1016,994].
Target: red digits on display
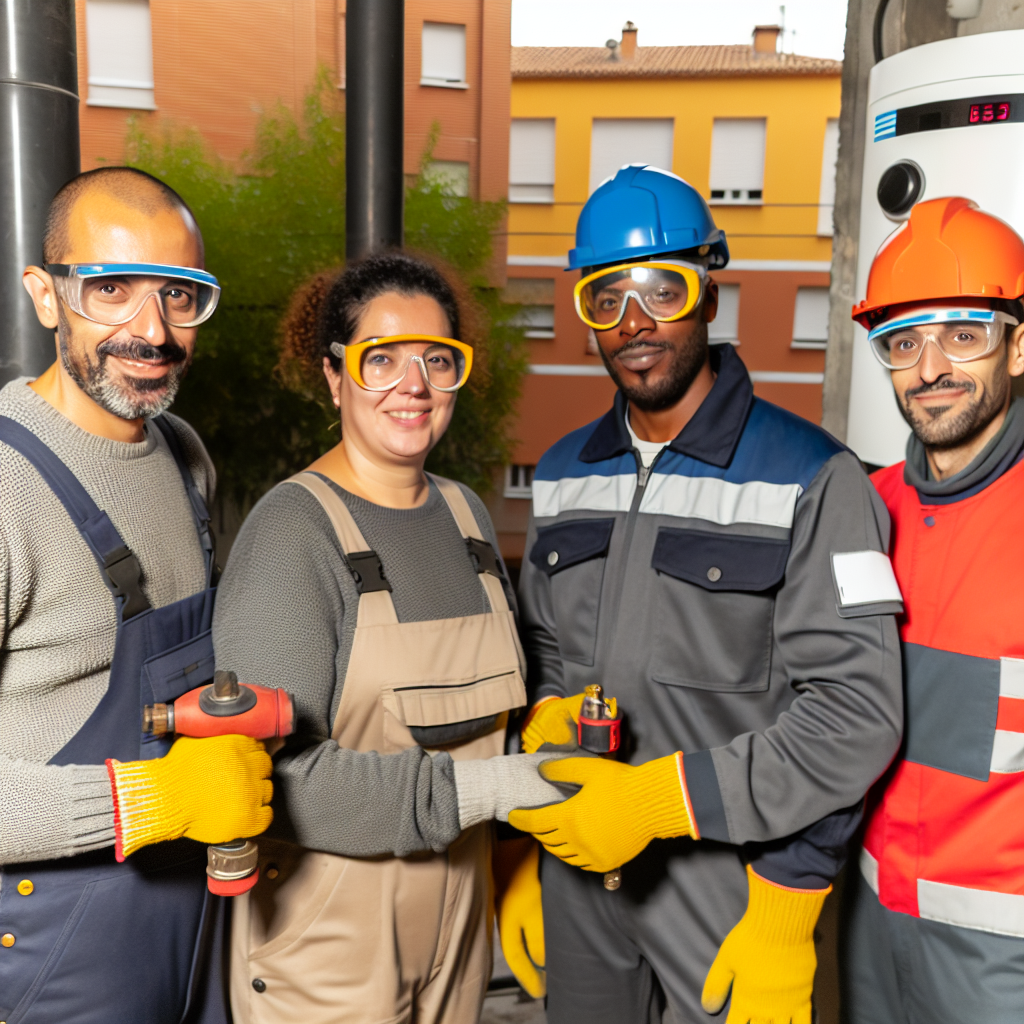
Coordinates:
[1002,111]
[982,112]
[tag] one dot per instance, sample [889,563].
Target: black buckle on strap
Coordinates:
[125,577]
[368,572]
[485,558]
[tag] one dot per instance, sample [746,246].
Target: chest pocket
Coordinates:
[573,556]
[715,600]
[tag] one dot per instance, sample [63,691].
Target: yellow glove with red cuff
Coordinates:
[212,790]
[618,811]
[551,723]
[520,915]
[768,959]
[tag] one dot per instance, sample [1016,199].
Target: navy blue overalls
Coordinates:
[97,942]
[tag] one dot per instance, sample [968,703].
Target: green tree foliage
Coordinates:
[268,226]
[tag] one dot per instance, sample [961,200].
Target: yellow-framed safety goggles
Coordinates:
[665,290]
[379,364]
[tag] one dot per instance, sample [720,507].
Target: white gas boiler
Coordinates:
[944,119]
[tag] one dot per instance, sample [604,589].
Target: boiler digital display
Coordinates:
[983,112]
[959,113]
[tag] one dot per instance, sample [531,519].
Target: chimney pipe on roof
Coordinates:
[766,38]
[628,44]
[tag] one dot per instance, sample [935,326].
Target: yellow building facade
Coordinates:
[755,131]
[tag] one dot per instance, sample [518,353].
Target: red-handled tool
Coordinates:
[226,707]
[598,730]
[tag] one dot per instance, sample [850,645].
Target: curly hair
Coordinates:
[329,306]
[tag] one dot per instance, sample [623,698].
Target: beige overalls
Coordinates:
[325,939]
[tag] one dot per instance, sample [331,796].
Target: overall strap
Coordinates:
[375,605]
[484,557]
[119,567]
[200,513]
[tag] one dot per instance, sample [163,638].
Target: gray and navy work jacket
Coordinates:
[707,596]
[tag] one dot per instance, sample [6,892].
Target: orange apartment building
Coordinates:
[217,65]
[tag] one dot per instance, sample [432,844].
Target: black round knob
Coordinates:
[900,187]
[259,984]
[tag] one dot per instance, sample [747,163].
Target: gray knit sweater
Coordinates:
[286,615]
[57,618]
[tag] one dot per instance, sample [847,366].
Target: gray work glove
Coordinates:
[490,789]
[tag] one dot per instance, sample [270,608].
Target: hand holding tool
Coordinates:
[617,812]
[520,914]
[553,723]
[227,707]
[768,959]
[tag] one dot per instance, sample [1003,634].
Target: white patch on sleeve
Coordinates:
[864,577]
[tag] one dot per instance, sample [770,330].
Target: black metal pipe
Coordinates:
[39,152]
[374,121]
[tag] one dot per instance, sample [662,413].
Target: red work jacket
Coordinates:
[945,825]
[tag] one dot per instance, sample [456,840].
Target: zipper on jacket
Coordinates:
[643,475]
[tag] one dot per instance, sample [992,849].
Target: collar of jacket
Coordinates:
[711,435]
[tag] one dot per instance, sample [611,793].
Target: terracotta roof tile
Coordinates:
[663,62]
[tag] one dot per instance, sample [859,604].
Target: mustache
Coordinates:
[942,385]
[170,352]
[638,343]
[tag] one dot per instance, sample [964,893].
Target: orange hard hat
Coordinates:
[948,249]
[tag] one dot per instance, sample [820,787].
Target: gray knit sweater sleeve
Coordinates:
[286,616]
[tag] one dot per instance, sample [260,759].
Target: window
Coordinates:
[618,141]
[519,481]
[737,160]
[120,54]
[810,318]
[531,160]
[725,328]
[451,175]
[827,194]
[536,297]
[444,55]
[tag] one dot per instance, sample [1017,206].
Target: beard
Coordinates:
[934,430]
[128,397]
[682,371]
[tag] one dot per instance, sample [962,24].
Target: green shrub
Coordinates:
[268,225]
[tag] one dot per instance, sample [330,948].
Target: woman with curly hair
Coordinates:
[374,593]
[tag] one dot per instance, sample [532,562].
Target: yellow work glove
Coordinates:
[768,958]
[212,790]
[552,723]
[520,916]
[619,810]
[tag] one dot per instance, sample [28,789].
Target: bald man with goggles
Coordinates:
[108,583]
[718,566]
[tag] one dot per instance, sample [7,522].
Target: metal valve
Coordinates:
[598,730]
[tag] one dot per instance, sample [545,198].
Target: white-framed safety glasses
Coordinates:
[961,334]
[665,290]
[114,293]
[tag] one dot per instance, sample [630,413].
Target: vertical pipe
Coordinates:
[374,120]
[38,154]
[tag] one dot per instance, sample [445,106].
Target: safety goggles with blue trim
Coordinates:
[114,293]
[962,335]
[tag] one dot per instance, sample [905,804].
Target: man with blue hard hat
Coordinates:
[718,566]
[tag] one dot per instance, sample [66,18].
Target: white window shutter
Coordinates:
[119,50]
[827,193]
[810,318]
[618,141]
[531,160]
[444,54]
[725,328]
[737,159]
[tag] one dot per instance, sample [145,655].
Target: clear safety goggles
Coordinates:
[665,290]
[114,293]
[379,364]
[962,335]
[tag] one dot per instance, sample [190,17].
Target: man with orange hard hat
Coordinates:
[935,931]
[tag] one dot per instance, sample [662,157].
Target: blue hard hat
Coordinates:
[644,211]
